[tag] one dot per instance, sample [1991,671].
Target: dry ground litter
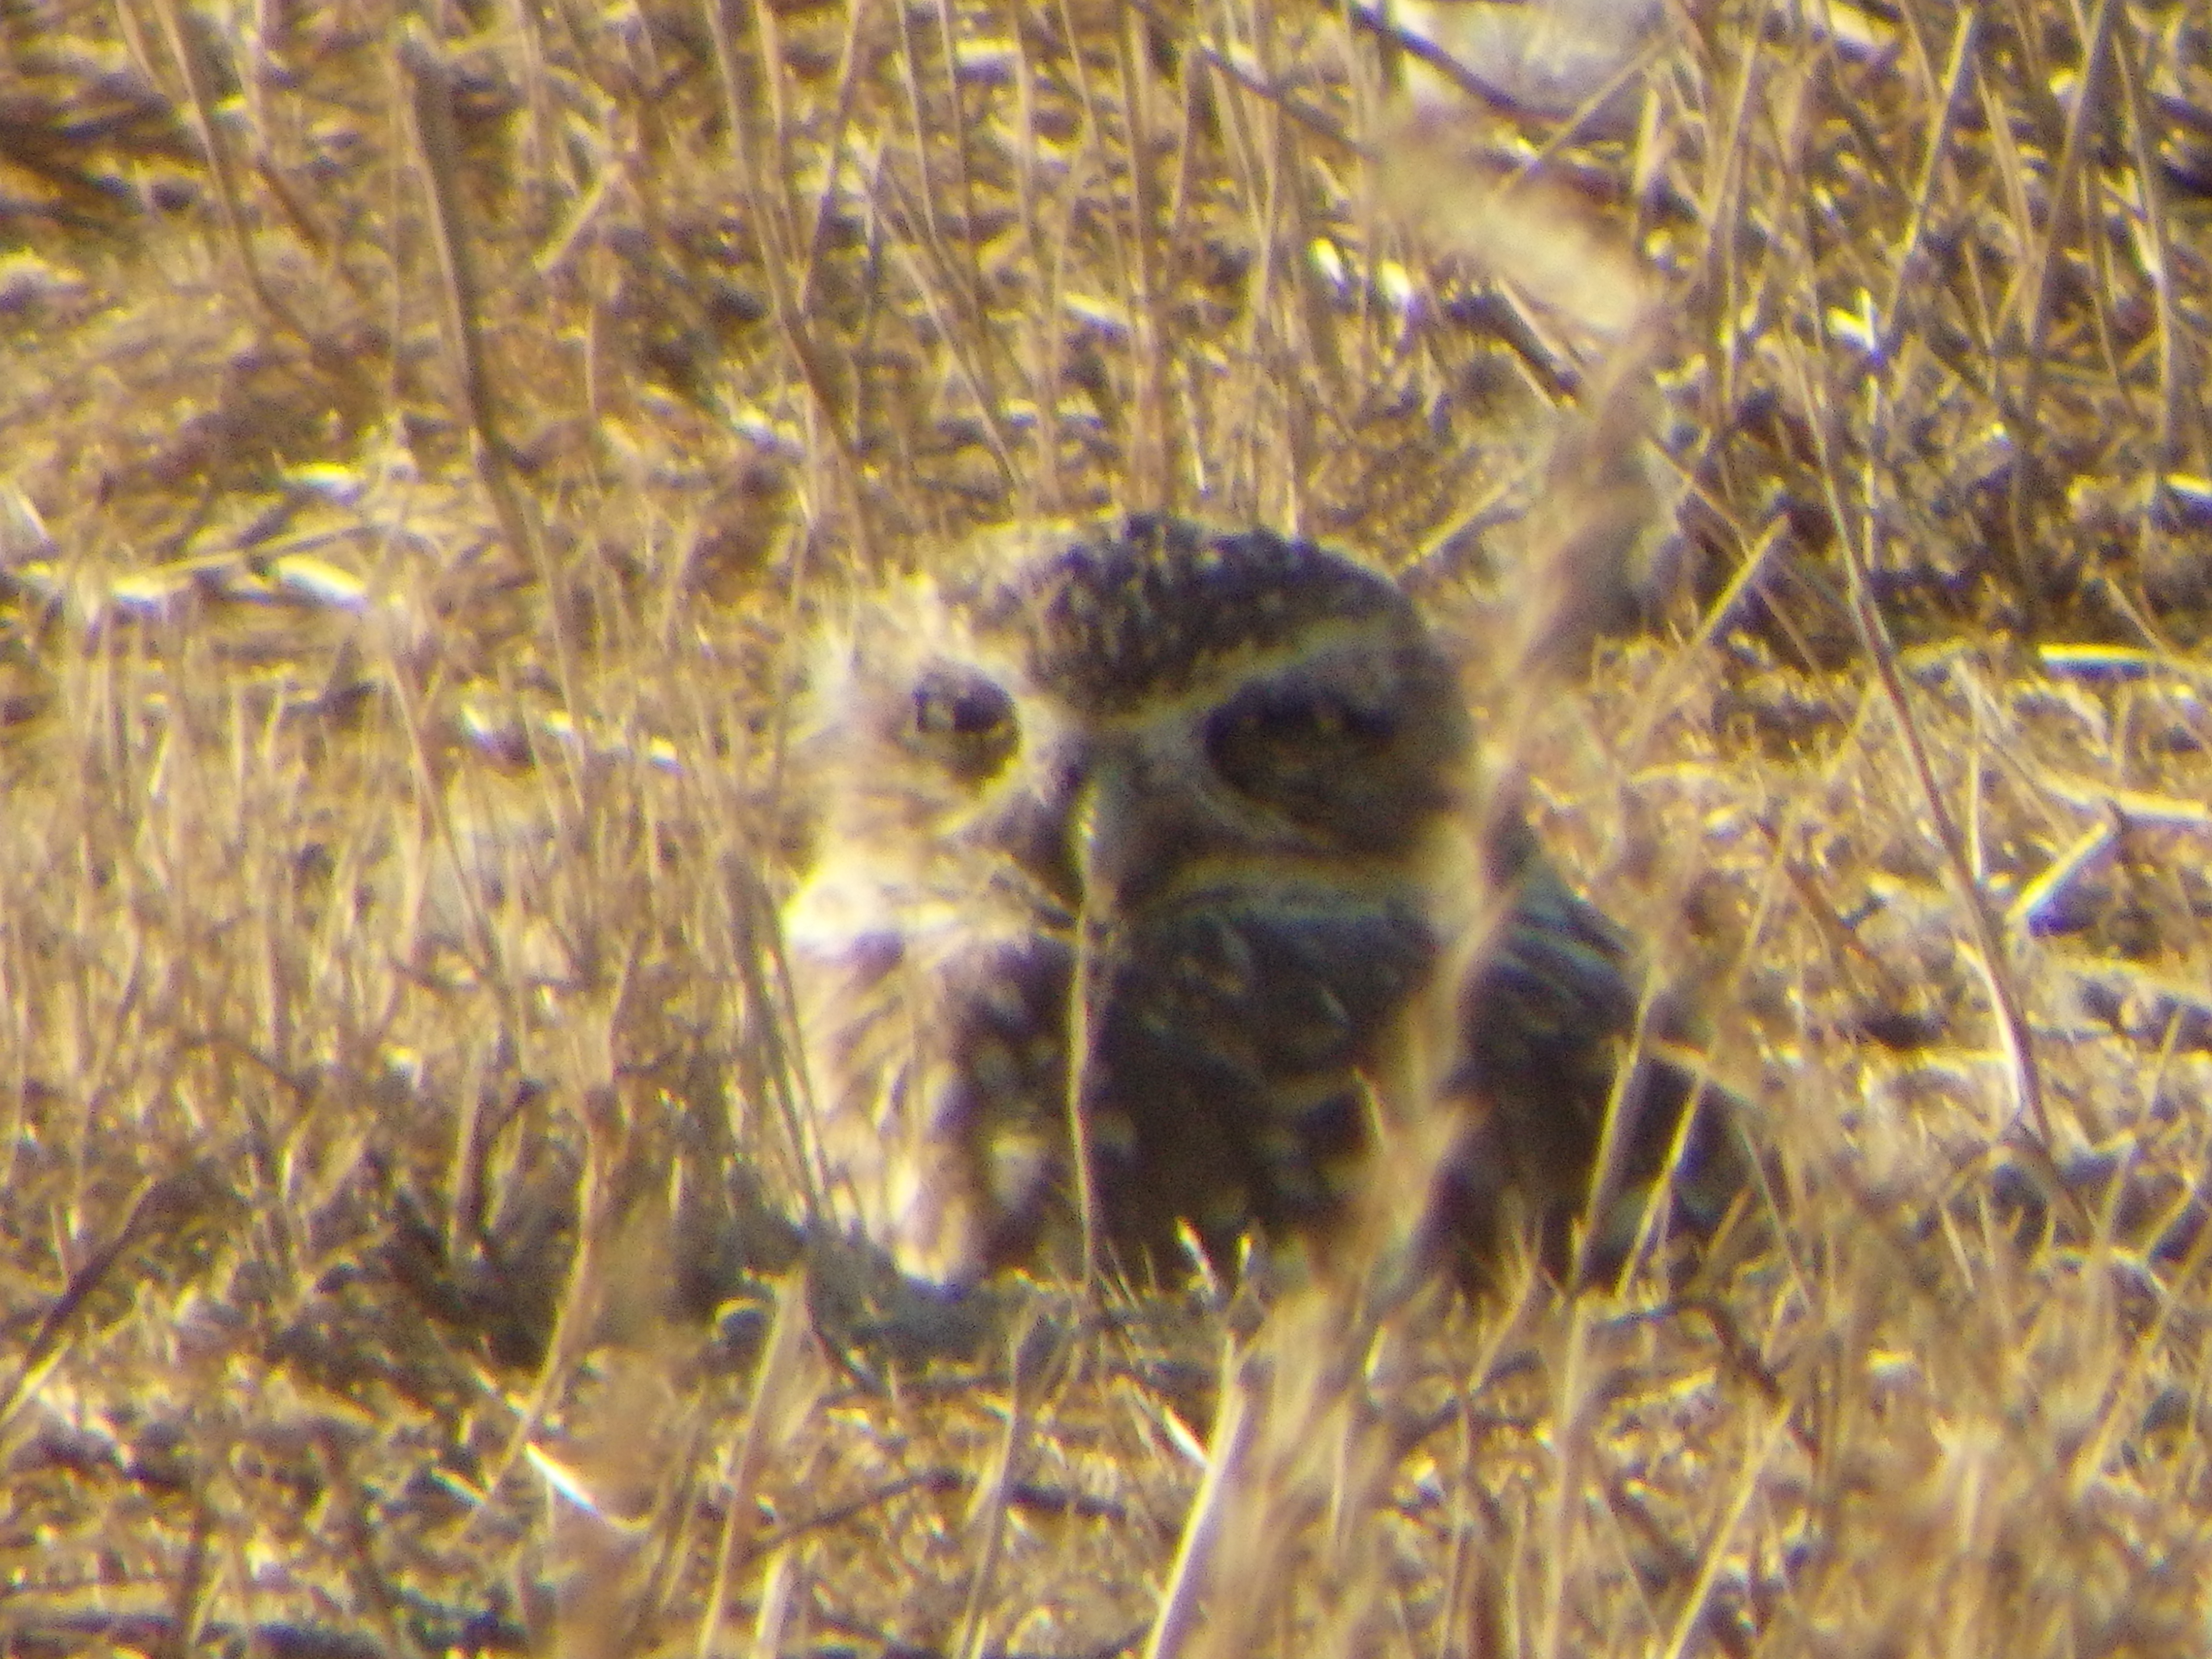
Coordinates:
[424,435]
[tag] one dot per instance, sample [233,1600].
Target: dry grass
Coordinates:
[422,440]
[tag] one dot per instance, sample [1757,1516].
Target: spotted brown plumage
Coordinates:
[1143,851]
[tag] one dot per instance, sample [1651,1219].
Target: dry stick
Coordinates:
[332,361]
[1371,82]
[188,1600]
[1094,126]
[349,1508]
[594,1199]
[159,1208]
[1267,162]
[1720,213]
[1634,69]
[1148,484]
[2028,39]
[2172,374]
[1313,1354]
[1042,494]
[670,1529]
[414,718]
[1881,651]
[1254,166]
[1571,1450]
[841,123]
[779,1593]
[539,144]
[428,109]
[1690,1619]
[1284,220]
[2066,179]
[312,235]
[969,365]
[1609,1170]
[772,1380]
[1874,632]
[909,67]
[773,995]
[769,212]
[1235,1427]
[1091,942]
[789,1082]
[1499,100]
[218,156]
[1677,679]
[1916,225]
[2090,1457]
[1180,193]
[2103,282]
[989,1506]
[2004,159]
[969,276]
[1320,123]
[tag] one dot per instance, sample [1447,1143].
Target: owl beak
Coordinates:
[1104,832]
[1127,839]
[1108,835]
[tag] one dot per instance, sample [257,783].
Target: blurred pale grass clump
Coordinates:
[425,436]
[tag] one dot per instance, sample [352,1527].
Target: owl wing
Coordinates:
[1549,1013]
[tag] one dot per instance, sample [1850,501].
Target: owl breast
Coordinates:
[1225,1088]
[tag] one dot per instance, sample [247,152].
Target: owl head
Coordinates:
[1126,871]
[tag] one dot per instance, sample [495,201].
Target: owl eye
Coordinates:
[1279,741]
[964,720]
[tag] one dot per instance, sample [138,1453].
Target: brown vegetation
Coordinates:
[420,439]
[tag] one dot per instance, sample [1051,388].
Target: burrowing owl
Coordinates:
[1138,849]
